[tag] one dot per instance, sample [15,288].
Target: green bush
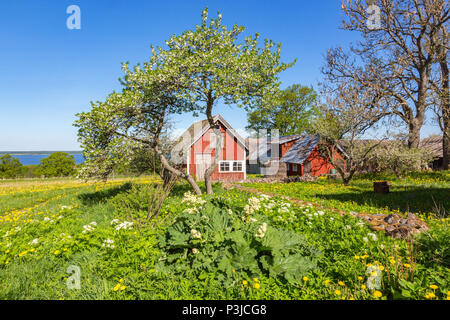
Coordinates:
[9,167]
[58,164]
[211,238]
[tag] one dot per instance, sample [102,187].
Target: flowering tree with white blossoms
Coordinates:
[130,122]
[209,64]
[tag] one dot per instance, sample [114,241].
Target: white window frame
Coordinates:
[294,167]
[237,161]
[229,167]
[230,164]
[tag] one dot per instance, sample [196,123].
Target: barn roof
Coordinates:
[301,149]
[263,146]
[298,153]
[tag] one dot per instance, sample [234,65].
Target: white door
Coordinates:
[202,162]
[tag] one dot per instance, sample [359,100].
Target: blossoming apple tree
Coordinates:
[191,74]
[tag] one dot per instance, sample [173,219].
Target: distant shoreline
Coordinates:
[23,153]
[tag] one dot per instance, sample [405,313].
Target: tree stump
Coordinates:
[381,187]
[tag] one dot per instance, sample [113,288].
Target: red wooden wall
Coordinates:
[232,150]
[319,165]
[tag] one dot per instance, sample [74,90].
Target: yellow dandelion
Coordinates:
[407,265]
[357,257]
[305,279]
[56,252]
[327,282]
[122,288]
[360,278]
[433,286]
[257,285]
[363,286]
[341,283]
[377,294]
[337,292]
[244,282]
[23,253]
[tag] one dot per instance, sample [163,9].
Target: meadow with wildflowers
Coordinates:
[230,245]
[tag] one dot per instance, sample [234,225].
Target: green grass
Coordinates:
[51,210]
[425,193]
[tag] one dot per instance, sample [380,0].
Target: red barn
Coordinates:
[199,151]
[298,155]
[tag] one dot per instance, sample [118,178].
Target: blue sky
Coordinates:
[50,73]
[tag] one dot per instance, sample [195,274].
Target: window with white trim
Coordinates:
[231,166]
[224,166]
[237,166]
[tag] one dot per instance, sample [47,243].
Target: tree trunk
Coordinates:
[415,123]
[414,133]
[212,168]
[445,109]
[218,148]
[178,173]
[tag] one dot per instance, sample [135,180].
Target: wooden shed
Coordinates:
[199,151]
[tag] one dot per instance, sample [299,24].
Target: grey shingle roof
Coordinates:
[296,154]
[301,149]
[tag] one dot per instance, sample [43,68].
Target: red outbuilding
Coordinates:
[199,151]
[293,155]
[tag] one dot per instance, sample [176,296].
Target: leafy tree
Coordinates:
[143,160]
[398,54]
[10,167]
[210,63]
[289,115]
[58,164]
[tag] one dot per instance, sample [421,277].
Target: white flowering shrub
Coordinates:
[192,199]
[125,225]
[108,243]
